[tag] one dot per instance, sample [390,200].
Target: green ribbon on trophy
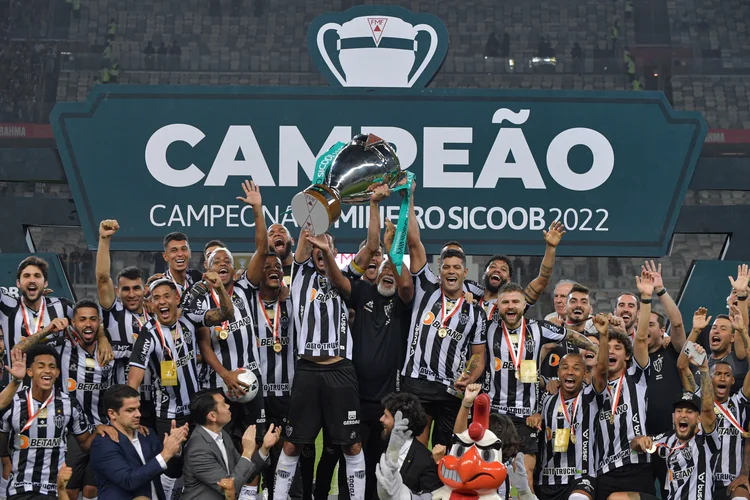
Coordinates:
[323,164]
[399,239]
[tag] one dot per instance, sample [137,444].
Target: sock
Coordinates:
[3,487]
[282,481]
[355,475]
[167,483]
[248,493]
[91,498]
[578,496]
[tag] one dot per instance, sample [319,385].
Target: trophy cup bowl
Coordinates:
[364,161]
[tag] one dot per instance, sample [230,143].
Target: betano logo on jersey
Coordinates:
[73,385]
[495,166]
[25,442]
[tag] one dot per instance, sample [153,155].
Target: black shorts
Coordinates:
[245,415]
[562,492]
[277,408]
[722,492]
[529,437]
[324,395]
[636,478]
[439,404]
[80,462]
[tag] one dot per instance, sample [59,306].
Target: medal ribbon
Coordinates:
[569,418]
[30,405]
[402,225]
[276,315]
[161,336]
[138,319]
[616,398]
[516,357]
[670,450]
[729,417]
[39,320]
[215,296]
[445,318]
[492,310]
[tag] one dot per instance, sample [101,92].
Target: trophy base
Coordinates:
[316,209]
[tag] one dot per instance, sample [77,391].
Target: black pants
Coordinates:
[163,426]
[438,404]
[372,446]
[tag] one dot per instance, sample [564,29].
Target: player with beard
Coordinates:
[689,450]
[124,313]
[280,242]
[445,333]
[622,415]
[514,353]
[627,308]
[29,315]
[721,338]
[177,256]
[381,321]
[663,377]
[499,271]
[577,315]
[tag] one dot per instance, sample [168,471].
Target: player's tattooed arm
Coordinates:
[580,341]
[225,311]
[552,238]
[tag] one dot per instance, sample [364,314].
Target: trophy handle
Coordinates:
[430,54]
[322,49]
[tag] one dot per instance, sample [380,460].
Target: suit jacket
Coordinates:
[204,466]
[120,473]
[419,471]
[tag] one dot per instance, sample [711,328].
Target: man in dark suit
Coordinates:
[131,467]
[402,419]
[209,454]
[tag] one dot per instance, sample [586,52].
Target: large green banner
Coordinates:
[493,167]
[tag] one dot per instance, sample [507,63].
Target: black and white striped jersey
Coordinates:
[38,452]
[122,327]
[85,379]
[192,276]
[506,350]
[612,441]
[729,461]
[557,469]
[430,355]
[157,343]
[239,349]
[274,324]
[689,465]
[17,320]
[321,318]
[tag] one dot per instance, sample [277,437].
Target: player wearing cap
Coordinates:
[690,449]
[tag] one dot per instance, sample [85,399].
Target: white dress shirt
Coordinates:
[219,440]
[137,445]
[404,451]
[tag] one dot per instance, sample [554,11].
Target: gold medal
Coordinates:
[518,374]
[528,372]
[223,334]
[513,338]
[168,373]
[277,347]
[562,439]
[573,437]
[442,333]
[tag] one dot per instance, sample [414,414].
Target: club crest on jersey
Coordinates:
[657,364]
[463,318]
[59,421]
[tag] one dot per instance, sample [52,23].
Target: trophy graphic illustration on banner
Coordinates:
[344,175]
[369,42]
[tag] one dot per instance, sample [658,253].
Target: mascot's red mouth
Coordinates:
[470,474]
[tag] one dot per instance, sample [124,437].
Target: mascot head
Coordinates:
[474,467]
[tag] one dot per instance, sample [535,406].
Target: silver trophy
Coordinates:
[367,160]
